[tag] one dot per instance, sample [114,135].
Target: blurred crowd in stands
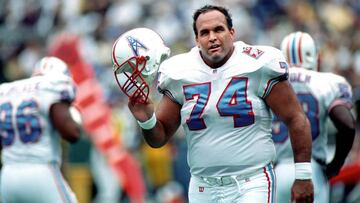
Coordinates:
[27,28]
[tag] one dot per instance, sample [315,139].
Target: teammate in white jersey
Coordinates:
[221,92]
[33,113]
[323,96]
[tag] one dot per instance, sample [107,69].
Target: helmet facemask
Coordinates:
[130,80]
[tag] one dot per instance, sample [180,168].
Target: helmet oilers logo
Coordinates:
[252,52]
[135,45]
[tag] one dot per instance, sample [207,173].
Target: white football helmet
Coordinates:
[300,51]
[51,65]
[136,56]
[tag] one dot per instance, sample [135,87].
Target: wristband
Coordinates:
[303,171]
[149,124]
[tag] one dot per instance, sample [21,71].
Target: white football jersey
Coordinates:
[318,93]
[224,115]
[26,131]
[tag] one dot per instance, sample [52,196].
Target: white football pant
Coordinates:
[257,187]
[29,182]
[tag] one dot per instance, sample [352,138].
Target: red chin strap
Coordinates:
[134,85]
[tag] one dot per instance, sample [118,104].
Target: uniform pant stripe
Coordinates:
[270,176]
[60,183]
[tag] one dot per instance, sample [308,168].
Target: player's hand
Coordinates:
[141,111]
[302,191]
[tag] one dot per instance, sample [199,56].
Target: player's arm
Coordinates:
[344,122]
[283,102]
[167,120]
[62,120]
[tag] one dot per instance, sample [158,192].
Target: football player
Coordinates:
[322,96]
[220,92]
[34,116]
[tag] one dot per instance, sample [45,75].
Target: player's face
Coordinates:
[214,38]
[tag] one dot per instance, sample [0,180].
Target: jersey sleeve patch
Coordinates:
[272,73]
[345,91]
[253,52]
[342,92]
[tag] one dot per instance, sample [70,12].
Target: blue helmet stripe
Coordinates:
[293,50]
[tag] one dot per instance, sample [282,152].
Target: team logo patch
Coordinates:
[253,52]
[135,45]
[345,91]
[201,189]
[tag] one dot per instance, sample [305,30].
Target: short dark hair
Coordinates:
[207,8]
